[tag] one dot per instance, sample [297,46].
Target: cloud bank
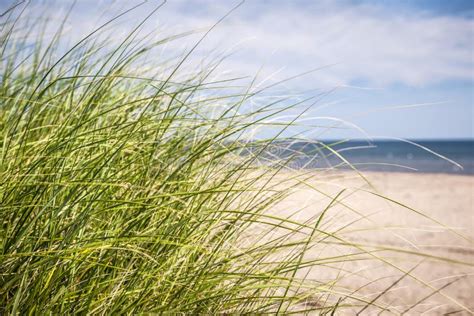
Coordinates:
[369,44]
[366,44]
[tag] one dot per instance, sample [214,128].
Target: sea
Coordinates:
[418,156]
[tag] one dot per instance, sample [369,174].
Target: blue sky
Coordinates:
[400,68]
[403,68]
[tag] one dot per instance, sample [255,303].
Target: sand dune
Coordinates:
[441,281]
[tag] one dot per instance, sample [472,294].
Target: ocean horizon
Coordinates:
[450,156]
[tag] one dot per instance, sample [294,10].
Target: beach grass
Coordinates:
[125,192]
[129,185]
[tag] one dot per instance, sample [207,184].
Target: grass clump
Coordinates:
[124,184]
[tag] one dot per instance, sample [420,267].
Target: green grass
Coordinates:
[122,192]
[128,185]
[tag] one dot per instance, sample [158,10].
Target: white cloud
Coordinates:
[368,43]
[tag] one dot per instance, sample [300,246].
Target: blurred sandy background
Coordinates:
[441,281]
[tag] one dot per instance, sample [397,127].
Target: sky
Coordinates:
[402,69]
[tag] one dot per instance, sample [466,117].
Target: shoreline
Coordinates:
[343,171]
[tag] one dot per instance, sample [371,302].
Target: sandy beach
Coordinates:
[428,214]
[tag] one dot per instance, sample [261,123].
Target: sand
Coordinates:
[436,219]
